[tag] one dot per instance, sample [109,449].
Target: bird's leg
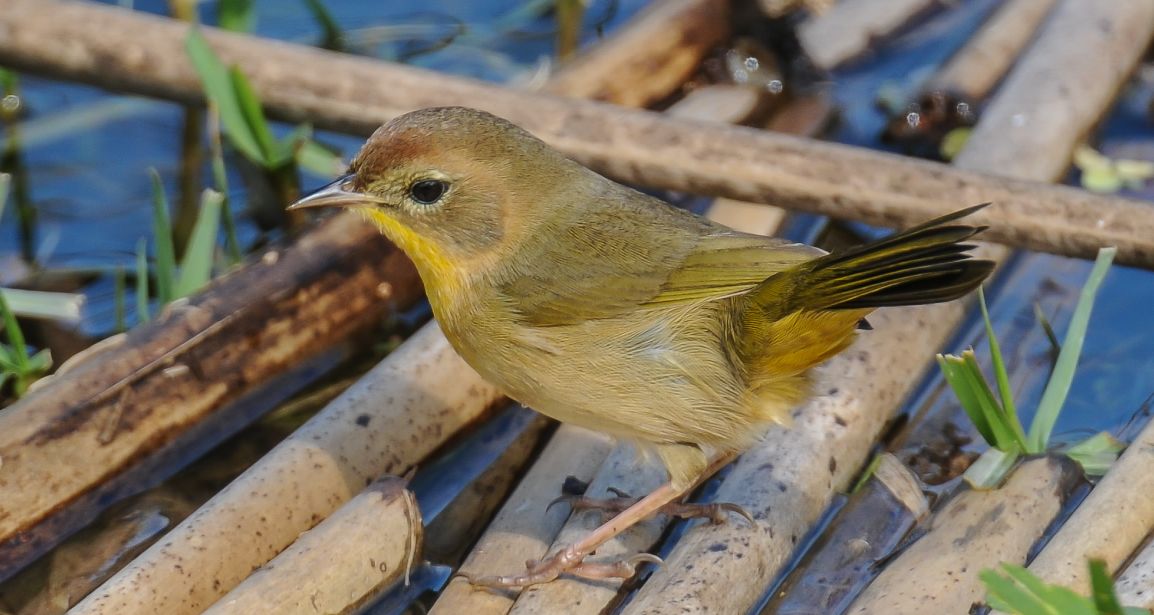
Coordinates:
[571,558]
[715,512]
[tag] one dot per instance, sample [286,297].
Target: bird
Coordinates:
[601,306]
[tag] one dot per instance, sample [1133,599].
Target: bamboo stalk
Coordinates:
[661,48]
[390,419]
[356,95]
[524,528]
[852,27]
[977,529]
[836,430]
[1135,586]
[1110,524]
[972,73]
[122,415]
[366,545]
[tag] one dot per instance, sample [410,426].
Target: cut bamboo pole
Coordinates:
[524,528]
[837,429]
[121,416]
[975,531]
[363,547]
[1135,586]
[79,41]
[390,419]
[972,73]
[852,27]
[1110,524]
[661,48]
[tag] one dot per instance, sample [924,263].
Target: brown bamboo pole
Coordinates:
[120,415]
[72,40]
[661,48]
[1110,524]
[524,529]
[851,27]
[972,73]
[366,545]
[394,416]
[837,429]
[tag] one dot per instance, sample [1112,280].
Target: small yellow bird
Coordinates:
[603,307]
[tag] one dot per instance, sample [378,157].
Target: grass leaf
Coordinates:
[319,159]
[196,268]
[254,117]
[1009,411]
[958,377]
[44,304]
[332,37]
[142,312]
[989,469]
[220,90]
[1054,396]
[236,15]
[162,235]
[1097,453]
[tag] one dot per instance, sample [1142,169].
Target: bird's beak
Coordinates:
[335,194]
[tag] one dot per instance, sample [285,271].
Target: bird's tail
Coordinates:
[929,263]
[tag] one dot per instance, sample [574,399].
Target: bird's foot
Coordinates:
[714,511]
[568,560]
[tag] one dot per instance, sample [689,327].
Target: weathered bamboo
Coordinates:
[972,73]
[366,545]
[1135,586]
[630,471]
[836,430]
[524,529]
[121,416]
[852,27]
[976,530]
[72,40]
[1110,524]
[390,419]
[661,48]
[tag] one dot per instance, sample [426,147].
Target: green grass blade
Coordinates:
[165,268]
[220,91]
[44,304]
[1048,329]
[1102,585]
[990,469]
[236,15]
[254,116]
[1004,436]
[285,150]
[1009,410]
[1097,453]
[957,376]
[142,312]
[15,337]
[220,181]
[1006,595]
[332,37]
[320,160]
[1054,397]
[196,269]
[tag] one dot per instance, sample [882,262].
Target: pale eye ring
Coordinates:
[428,191]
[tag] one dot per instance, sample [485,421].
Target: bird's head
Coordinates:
[449,185]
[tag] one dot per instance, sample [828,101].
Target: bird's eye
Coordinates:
[428,191]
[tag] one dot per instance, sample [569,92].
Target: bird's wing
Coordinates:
[601,274]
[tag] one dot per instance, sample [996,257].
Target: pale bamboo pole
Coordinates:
[851,27]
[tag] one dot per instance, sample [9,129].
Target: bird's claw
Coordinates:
[715,512]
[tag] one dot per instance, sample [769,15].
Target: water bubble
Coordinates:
[10,103]
[751,64]
[775,86]
[741,75]
[963,108]
[913,118]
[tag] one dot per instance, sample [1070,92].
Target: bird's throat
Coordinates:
[438,273]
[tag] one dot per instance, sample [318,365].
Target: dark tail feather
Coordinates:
[925,264]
